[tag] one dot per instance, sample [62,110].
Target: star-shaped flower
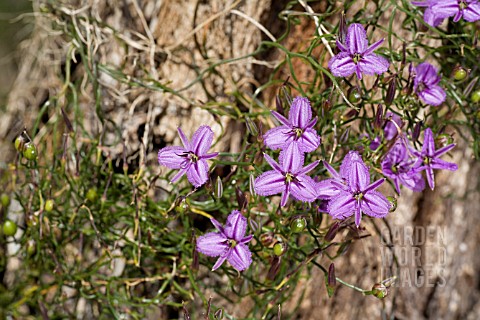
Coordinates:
[398,166]
[356,195]
[288,178]
[426,85]
[429,158]
[230,242]
[298,128]
[356,56]
[191,158]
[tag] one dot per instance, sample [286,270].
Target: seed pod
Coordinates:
[20,142]
[459,73]
[9,228]
[379,290]
[30,151]
[279,249]
[393,203]
[476,96]
[5,200]
[49,204]
[354,95]
[298,224]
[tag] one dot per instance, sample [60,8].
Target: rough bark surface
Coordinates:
[171,40]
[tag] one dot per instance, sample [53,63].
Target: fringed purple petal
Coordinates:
[170,157]
[303,189]
[278,138]
[300,112]
[472,12]
[240,257]
[326,190]
[375,204]
[270,183]
[342,65]
[356,40]
[291,159]
[236,226]
[373,64]
[309,141]
[212,244]
[342,205]
[202,140]
[197,174]
[433,95]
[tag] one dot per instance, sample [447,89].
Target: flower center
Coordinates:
[298,132]
[356,58]
[394,168]
[232,243]
[421,87]
[193,157]
[289,177]
[462,4]
[427,161]
[358,196]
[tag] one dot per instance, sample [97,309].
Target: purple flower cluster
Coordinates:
[294,137]
[348,193]
[438,10]
[403,164]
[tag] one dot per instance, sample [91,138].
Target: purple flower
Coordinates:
[288,178]
[191,158]
[355,194]
[429,158]
[356,56]
[298,128]
[429,15]
[437,10]
[398,166]
[426,85]
[390,130]
[229,242]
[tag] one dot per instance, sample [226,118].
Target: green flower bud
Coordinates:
[5,200]
[91,195]
[9,228]
[460,73]
[393,203]
[279,249]
[354,95]
[379,290]
[298,224]
[30,151]
[49,204]
[475,96]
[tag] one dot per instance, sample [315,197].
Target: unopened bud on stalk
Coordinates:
[378,122]
[332,280]
[219,188]
[241,198]
[266,239]
[332,232]
[416,131]
[251,185]
[251,127]
[392,88]
[30,151]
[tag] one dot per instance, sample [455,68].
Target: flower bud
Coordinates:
[9,228]
[49,204]
[392,88]
[378,122]
[251,127]
[251,185]
[91,195]
[475,97]
[379,290]
[266,239]
[416,131]
[218,314]
[445,139]
[5,200]
[275,266]
[332,280]
[298,224]
[30,151]
[20,142]
[31,247]
[332,231]
[459,73]
[219,188]
[354,95]
[393,203]
[241,198]
[279,249]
